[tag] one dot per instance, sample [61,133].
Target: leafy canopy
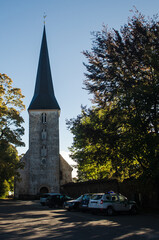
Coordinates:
[11,105]
[11,130]
[123,77]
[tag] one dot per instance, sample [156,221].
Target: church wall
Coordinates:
[44,150]
[65,172]
[21,186]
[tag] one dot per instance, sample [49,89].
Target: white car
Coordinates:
[111,202]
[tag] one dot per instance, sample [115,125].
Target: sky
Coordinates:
[69,24]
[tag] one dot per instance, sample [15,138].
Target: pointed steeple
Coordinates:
[44,97]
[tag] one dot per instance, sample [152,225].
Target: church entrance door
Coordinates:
[44,190]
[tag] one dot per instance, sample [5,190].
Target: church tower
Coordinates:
[45,170]
[44,129]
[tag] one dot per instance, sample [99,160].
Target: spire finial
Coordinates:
[44,17]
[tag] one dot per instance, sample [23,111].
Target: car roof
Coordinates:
[54,194]
[87,194]
[98,193]
[50,194]
[109,192]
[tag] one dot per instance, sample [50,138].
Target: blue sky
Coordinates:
[69,24]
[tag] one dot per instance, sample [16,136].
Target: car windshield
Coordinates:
[78,199]
[44,195]
[68,198]
[96,197]
[114,197]
[65,197]
[122,198]
[86,197]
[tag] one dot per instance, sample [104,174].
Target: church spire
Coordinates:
[44,97]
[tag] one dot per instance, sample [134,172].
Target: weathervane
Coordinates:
[44,17]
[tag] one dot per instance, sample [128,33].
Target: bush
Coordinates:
[4,189]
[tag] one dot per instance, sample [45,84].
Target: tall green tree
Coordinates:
[11,105]
[99,146]
[123,71]
[11,130]
[89,147]
[9,163]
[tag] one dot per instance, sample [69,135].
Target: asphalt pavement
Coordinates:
[29,220]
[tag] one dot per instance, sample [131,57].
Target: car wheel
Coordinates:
[110,211]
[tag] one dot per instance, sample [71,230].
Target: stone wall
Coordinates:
[21,186]
[42,161]
[44,150]
[65,172]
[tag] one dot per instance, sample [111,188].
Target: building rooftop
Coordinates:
[44,97]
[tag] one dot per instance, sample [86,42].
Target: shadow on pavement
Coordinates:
[29,220]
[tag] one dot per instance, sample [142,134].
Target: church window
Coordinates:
[61,175]
[43,161]
[43,151]
[43,116]
[43,134]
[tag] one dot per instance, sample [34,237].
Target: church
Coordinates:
[45,170]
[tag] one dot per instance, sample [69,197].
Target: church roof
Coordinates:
[44,97]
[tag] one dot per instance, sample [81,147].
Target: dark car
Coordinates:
[44,197]
[83,206]
[57,200]
[81,203]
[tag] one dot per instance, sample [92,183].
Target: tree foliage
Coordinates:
[11,105]
[9,163]
[11,130]
[123,77]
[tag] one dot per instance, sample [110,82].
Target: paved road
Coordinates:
[29,220]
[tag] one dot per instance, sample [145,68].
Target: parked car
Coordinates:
[57,200]
[110,203]
[83,206]
[72,204]
[81,203]
[44,196]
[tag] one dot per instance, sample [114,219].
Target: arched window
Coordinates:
[43,161]
[43,117]
[61,175]
[43,134]
[43,151]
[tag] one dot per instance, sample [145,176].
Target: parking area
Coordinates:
[30,220]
